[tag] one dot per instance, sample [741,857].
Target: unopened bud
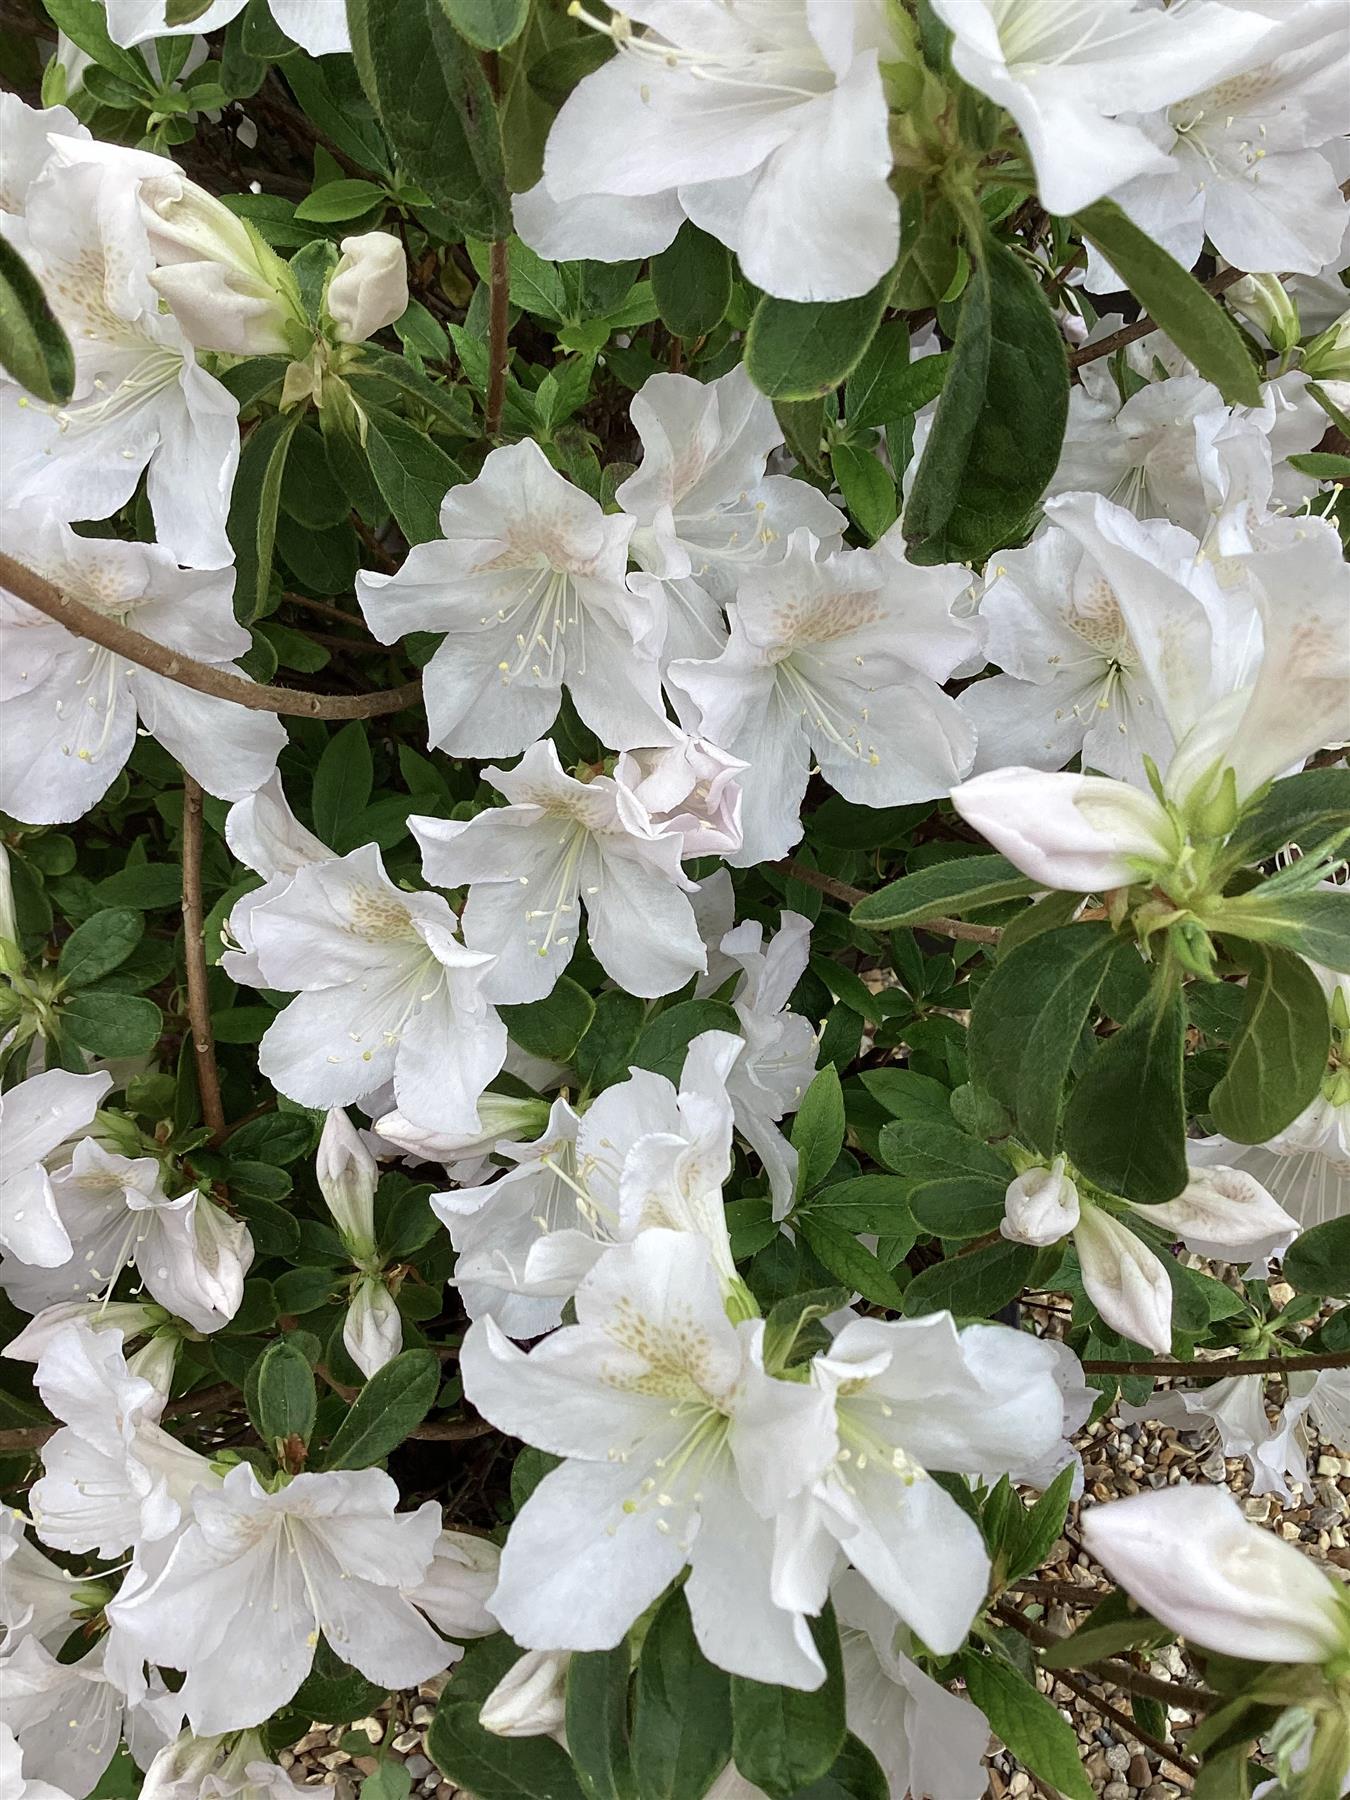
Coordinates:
[1041,1206]
[530,1699]
[1327,357]
[1262,301]
[228,289]
[1124,1280]
[372,1332]
[347,1175]
[369,287]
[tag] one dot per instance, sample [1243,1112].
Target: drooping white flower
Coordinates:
[766,125]
[384,990]
[1082,833]
[690,787]
[141,403]
[35,1117]
[911,1396]
[1225,1214]
[1233,1411]
[318,26]
[369,287]
[133,1318]
[836,662]
[1247,164]
[531,865]
[1067,71]
[530,1700]
[191,1255]
[778,1063]
[527,584]
[1188,1556]
[704,507]
[672,1434]
[113,1479]
[502,1119]
[326,1553]
[1041,1205]
[1124,1280]
[72,708]
[265,835]
[37,1599]
[458,1584]
[1306,1167]
[928,1741]
[13,1782]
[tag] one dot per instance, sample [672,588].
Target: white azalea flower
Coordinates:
[778,1063]
[265,835]
[1041,1205]
[326,1553]
[914,1395]
[458,1584]
[42,1697]
[1233,1412]
[191,1256]
[527,584]
[928,1741]
[384,990]
[212,1768]
[37,1599]
[672,1434]
[837,662]
[1245,161]
[1225,1214]
[530,865]
[141,403]
[72,709]
[501,1117]
[13,1781]
[1124,1280]
[133,1318]
[1189,1557]
[690,787]
[766,125]
[318,26]
[25,145]
[704,507]
[35,1117]
[113,1479]
[1067,71]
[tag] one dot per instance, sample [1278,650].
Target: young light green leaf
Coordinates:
[1125,1122]
[33,345]
[868,489]
[799,349]
[1175,301]
[962,884]
[1279,1054]
[393,1402]
[1303,808]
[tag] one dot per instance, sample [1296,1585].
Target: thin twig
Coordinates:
[1221,1368]
[202,678]
[850,896]
[1192,1696]
[204,1400]
[1123,1722]
[194,956]
[1130,334]
[499,296]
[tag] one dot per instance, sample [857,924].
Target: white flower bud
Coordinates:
[347,1175]
[1041,1206]
[530,1699]
[501,1118]
[456,1588]
[1327,357]
[1081,833]
[369,287]
[1188,1556]
[373,1329]
[1225,1214]
[1261,299]
[1124,1280]
[227,288]
[154,1361]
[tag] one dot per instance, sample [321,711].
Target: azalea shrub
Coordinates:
[675,823]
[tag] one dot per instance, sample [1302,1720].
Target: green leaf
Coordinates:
[878,1203]
[783,1738]
[605,1052]
[1175,301]
[144,887]
[849,1261]
[110,1024]
[34,348]
[347,198]
[1318,1262]
[692,282]
[488,24]
[886,384]
[855,1774]
[1316,925]
[429,90]
[342,782]
[1028,1020]
[1325,465]
[796,350]
[1302,808]
[100,945]
[413,475]
[1037,1528]
[664,1041]
[996,436]
[279,1138]
[682,1710]
[597,1723]
[389,1780]
[554,1026]
[492,1767]
[961,884]
[818,1129]
[334,1690]
[393,1402]
[1029,1725]
[85,23]
[930,254]
[868,489]
[1279,1054]
[974,1285]
[254,500]
[1125,1123]
[287,1403]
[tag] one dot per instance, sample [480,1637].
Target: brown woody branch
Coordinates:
[1130,334]
[194,957]
[203,1400]
[499,298]
[222,684]
[850,896]
[1222,1368]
